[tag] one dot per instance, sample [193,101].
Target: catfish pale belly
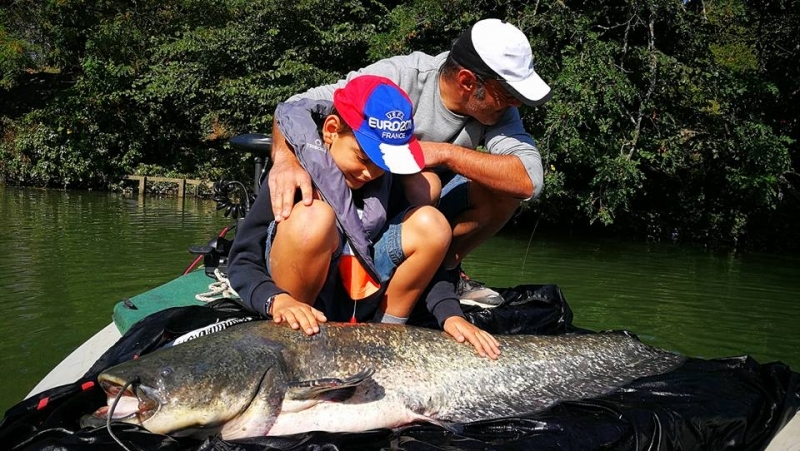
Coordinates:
[260,378]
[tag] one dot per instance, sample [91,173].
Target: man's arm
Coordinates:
[285,176]
[502,173]
[511,165]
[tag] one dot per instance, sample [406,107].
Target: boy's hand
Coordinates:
[483,342]
[297,314]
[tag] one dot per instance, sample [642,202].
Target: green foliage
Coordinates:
[167,82]
[660,118]
[665,116]
[13,57]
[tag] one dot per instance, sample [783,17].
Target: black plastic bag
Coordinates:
[732,403]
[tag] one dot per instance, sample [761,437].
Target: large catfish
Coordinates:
[260,378]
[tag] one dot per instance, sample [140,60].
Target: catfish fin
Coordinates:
[329,389]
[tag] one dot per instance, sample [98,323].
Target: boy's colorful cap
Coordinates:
[381,116]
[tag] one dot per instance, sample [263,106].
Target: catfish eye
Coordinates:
[166,371]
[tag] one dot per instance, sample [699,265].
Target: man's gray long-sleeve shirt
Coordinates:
[418,75]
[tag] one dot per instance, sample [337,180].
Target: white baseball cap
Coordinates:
[495,49]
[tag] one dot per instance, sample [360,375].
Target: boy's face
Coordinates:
[348,156]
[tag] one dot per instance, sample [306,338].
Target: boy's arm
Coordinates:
[247,269]
[250,277]
[483,342]
[423,188]
[299,315]
[441,298]
[446,308]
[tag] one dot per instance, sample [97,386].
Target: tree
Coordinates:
[667,115]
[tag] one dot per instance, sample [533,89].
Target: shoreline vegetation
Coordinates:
[670,118]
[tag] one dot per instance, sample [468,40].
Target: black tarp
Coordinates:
[730,404]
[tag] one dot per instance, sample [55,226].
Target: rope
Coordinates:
[217,290]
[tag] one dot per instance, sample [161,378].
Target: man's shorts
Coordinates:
[455,195]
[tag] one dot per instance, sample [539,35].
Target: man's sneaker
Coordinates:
[472,292]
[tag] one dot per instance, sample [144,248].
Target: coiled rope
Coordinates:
[217,290]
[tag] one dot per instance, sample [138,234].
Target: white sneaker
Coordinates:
[472,292]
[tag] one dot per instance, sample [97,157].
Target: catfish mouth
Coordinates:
[133,403]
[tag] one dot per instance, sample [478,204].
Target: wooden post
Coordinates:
[182,184]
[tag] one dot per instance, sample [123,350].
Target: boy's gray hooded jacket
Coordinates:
[248,273]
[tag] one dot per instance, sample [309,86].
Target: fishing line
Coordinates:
[528,248]
[121,392]
[544,171]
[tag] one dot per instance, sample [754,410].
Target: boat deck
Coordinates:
[181,292]
[176,293]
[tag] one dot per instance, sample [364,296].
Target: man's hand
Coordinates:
[483,342]
[297,314]
[285,177]
[436,153]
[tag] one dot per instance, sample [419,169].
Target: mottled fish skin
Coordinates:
[235,381]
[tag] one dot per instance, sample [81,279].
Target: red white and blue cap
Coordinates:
[382,118]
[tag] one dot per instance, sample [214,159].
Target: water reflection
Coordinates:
[68,257]
[686,299]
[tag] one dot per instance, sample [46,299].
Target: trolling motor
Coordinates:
[214,254]
[260,146]
[235,199]
[226,191]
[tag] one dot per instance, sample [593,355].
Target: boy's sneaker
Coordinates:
[472,292]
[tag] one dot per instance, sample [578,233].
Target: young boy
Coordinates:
[341,258]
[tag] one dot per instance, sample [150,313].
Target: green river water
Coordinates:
[67,257]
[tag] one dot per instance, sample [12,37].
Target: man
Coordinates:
[465,98]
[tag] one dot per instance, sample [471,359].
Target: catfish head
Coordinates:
[196,388]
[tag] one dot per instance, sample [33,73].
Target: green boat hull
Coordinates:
[179,292]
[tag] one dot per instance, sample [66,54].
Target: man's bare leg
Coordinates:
[473,227]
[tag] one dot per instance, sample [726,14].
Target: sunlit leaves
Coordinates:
[665,115]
